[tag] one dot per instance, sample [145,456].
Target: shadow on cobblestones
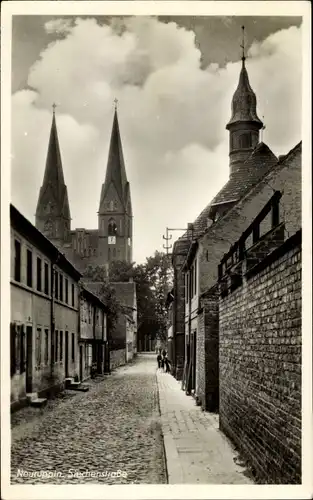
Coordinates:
[113,427]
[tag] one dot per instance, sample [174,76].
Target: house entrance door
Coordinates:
[29,359]
[66,354]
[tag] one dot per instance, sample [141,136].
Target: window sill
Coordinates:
[30,289]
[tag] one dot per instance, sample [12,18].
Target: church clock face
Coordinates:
[112,240]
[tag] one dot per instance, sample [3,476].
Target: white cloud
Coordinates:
[172,117]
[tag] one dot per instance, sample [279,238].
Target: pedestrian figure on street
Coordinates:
[163,359]
[159,359]
[167,364]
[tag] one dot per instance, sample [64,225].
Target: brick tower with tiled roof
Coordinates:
[53,217]
[244,124]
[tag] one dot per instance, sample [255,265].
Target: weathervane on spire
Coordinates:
[115,103]
[243,44]
[53,107]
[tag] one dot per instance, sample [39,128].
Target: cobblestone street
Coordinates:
[113,427]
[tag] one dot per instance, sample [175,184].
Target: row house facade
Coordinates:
[122,344]
[93,341]
[45,325]
[262,197]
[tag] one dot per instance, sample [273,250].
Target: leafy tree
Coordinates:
[154,280]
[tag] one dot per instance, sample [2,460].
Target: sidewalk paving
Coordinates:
[196,450]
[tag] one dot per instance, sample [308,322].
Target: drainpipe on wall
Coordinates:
[52,318]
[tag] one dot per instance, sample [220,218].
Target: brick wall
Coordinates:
[260,365]
[117,358]
[207,353]
[179,255]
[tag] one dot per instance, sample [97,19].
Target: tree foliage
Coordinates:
[154,280]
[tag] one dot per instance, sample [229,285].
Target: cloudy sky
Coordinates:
[174,79]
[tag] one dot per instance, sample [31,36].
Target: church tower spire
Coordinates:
[53,212]
[115,209]
[244,124]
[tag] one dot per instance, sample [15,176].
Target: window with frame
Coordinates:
[46,278]
[195,276]
[245,140]
[61,287]
[112,228]
[29,268]
[61,346]
[73,295]
[56,284]
[66,290]
[17,260]
[39,274]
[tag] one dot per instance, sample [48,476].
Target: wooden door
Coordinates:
[29,359]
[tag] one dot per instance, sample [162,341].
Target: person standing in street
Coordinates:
[159,359]
[167,364]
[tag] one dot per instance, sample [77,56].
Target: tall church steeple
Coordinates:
[53,217]
[244,124]
[115,210]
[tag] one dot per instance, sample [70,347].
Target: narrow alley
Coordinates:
[109,435]
[114,433]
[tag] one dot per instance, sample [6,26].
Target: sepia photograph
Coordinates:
[153,181]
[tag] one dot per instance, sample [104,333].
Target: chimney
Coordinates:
[190,230]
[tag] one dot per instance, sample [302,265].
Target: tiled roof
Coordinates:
[258,163]
[244,101]
[261,160]
[116,172]
[125,291]
[53,189]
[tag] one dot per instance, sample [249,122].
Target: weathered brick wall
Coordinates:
[117,358]
[200,367]
[179,255]
[207,353]
[286,178]
[260,366]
